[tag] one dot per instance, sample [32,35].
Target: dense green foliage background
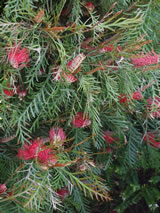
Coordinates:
[130,173]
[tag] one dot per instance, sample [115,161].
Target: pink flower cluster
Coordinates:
[36,150]
[145,60]
[89,6]
[44,154]
[18,57]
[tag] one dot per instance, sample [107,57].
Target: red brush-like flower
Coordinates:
[137,95]
[63,192]
[9,91]
[108,137]
[80,121]
[46,156]
[151,139]
[29,151]
[123,98]
[89,6]
[3,188]
[57,135]
[34,150]
[145,60]
[18,57]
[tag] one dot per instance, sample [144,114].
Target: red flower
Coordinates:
[108,150]
[137,95]
[45,156]
[123,98]
[151,139]
[29,151]
[108,137]
[154,105]
[63,192]
[3,188]
[8,92]
[57,135]
[80,121]
[89,6]
[18,57]
[145,60]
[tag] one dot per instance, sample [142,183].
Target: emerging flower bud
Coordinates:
[63,192]
[21,92]
[80,121]
[57,136]
[89,6]
[3,188]
[75,62]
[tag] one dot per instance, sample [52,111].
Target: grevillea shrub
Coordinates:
[79,106]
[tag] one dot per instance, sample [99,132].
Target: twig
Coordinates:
[7,139]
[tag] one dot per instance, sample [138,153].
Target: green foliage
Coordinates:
[123,167]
